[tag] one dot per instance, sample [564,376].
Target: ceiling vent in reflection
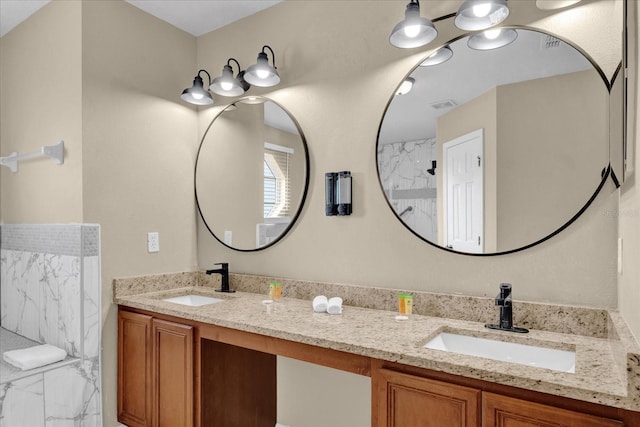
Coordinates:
[549,42]
[441,105]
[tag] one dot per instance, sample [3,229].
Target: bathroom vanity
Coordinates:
[215,365]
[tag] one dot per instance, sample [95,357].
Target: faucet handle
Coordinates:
[224,265]
[504,297]
[503,301]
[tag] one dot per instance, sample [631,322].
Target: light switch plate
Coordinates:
[153,241]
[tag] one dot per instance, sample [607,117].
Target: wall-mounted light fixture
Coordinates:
[226,84]
[438,57]
[261,73]
[253,100]
[406,86]
[492,39]
[476,15]
[413,30]
[196,94]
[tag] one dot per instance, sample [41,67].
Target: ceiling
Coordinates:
[196,17]
[13,12]
[470,73]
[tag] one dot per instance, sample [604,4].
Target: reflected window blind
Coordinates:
[276,180]
[270,189]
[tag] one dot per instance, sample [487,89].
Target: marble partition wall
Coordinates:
[410,189]
[50,293]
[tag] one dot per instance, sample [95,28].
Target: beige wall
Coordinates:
[629,212]
[139,142]
[338,74]
[230,174]
[479,113]
[315,396]
[337,77]
[133,172]
[104,77]
[40,103]
[543,156]
[553,136]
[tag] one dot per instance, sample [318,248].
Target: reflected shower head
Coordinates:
[432,171]
[408,209]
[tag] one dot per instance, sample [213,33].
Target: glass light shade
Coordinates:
[438,57]
[196,94]
[252,100]
[492,39]
[226,84]
[262,74]
[406,86]
[414,30]
[477,15]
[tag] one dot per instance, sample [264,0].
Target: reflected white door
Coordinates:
[464,192]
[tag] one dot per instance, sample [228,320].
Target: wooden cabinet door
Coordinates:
[502,411]
[409,401]
[172,377]
[134,369]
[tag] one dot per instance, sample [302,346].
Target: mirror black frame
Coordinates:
[304,190]
[606,172]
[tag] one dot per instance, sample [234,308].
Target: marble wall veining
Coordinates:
[410,189]
[50,293]
[41,297]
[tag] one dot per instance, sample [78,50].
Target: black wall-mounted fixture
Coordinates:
[477,15]
[432,170]
[438,57]
[197,94]
[494,38]
[261,74]
[414,30]
[337,187]
[226,84]
[406,86]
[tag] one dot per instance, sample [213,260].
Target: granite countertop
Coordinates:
[607,369]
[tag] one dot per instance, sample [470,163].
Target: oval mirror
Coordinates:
[251,174]
[495,150]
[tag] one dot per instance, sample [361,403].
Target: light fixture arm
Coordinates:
[273,55]
[262,74]
[416,2]
[237,63]
[207,73]
[197,94]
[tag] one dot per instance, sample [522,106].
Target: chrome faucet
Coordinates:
[504,301]
[224,273]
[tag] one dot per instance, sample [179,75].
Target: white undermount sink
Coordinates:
[193,300]
[530,355]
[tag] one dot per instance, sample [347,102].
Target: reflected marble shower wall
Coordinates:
[50,293]
[410,189]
